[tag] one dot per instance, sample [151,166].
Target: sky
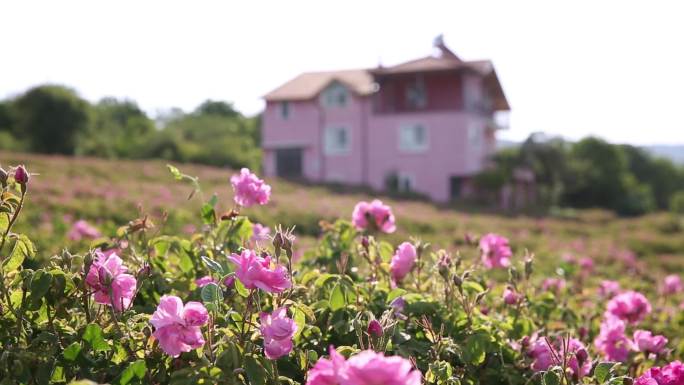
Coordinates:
[614,69]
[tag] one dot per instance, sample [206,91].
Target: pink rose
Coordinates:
[510,297]
[553,284]
[277,330]
[326,371]
[672,284]
[629,306]
[260,233]
[258,272]
[204,281]
[403,261]
[648,343]
[495,251]
[177,327]
[612,341]
[544,355]
[608,289]
[373,216]
[108,277]
[249,189]
[82,229]
[670,374]
[372,368]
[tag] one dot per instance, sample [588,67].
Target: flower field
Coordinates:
[129,272]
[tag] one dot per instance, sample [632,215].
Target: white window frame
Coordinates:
[404,177]
[282,106]
[475,135]
[415,147]
[330,96]
[327,146]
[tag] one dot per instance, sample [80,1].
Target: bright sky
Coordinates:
[609,68]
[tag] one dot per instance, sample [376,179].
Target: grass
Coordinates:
[109,193]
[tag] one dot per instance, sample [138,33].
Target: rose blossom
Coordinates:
[495,251]
[646,342]
[109,278]
[373,216]
[177,327]
[629,306]
[609,288]
[612,341]
[510,297]
[260,232]
[277,330]
[258,272]
[672,284]
[326,371]
[553,284]
[544,356]
[82,229]
[249,189]
[403,261]
[670,374]
[204,281]
[365,368]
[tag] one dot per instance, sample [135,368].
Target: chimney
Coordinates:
[442,50]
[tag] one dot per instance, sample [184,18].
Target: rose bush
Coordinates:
[231,304]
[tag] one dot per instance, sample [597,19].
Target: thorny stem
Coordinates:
[116,322]
[2,245]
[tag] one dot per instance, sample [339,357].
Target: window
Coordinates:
[285,110]
[415,94]
[335,96]
[337,141]
[475,133]
[413,138]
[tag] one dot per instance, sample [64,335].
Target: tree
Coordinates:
[212,107]
[51,118]
[120,129]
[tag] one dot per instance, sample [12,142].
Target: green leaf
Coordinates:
[71,351]
[40,285]
[550,378]
[136,369]
[474,351]
[93,336]
[212,265]
[241,289]
[299,319]
[603,371]
[23,248]
[256,374]
[337,300]
[208,214]
[211,293]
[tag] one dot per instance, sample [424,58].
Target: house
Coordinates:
[427,125]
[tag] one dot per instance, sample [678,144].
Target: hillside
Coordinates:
[110,193]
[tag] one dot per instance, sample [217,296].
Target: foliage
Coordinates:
[453,325]
[54,119]
[589,173]
[51,119]
[120,129]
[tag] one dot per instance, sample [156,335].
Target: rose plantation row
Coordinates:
[234,304]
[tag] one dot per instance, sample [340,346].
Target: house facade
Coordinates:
[427,126]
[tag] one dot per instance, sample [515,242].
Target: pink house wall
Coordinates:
[299,130]
[374,140]
[448,154]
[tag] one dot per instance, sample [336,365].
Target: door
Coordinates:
[289,162]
